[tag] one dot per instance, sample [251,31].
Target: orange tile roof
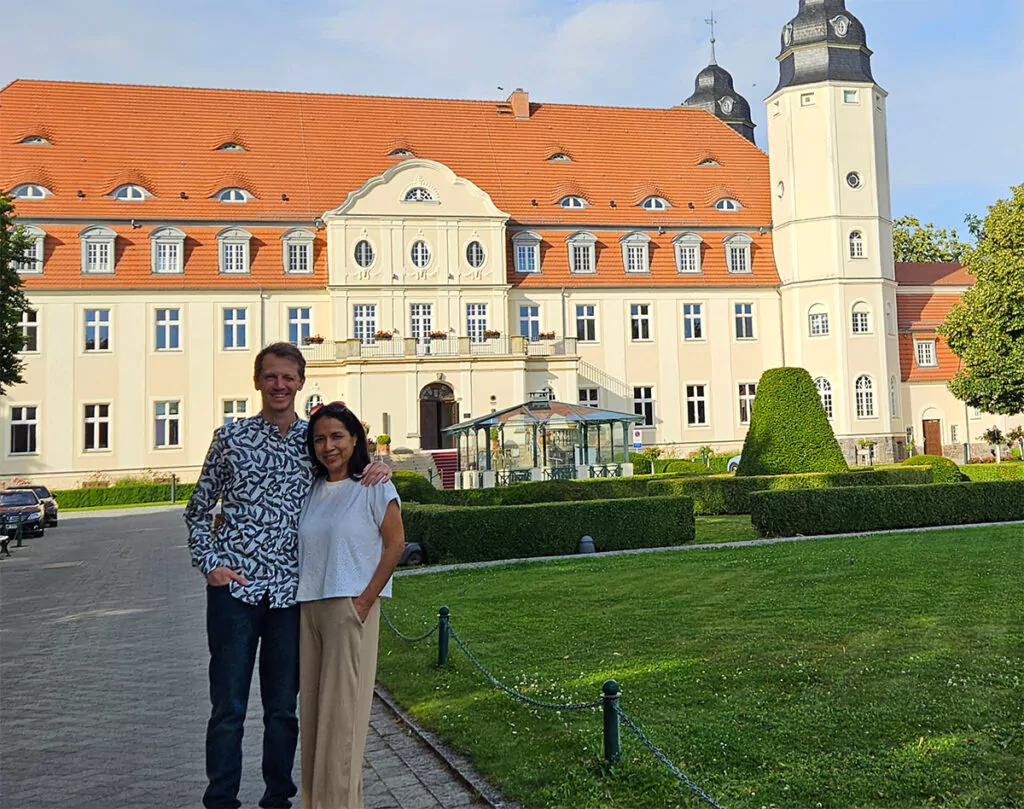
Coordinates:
[932,273]
[919,315]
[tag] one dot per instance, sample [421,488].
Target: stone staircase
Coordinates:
[437,467]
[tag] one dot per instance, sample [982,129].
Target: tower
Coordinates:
[713,92]
[828,159]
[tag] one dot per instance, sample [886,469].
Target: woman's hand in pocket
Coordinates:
[362,606]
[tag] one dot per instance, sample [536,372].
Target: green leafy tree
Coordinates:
[1016,436]
[986,330]
[912,241]
[14,246]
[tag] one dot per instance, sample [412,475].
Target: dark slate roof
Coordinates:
[714,92]
[823,42]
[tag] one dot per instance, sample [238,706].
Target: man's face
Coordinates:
[278,383]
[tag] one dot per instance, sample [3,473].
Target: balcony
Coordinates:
[409,348]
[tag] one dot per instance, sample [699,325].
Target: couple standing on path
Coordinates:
[309,535]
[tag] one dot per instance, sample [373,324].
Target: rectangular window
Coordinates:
[954,433]
[738,259]
[29,325]
[693,322]
[526,258]
[744,321]
[850,97]
[167,424]
[636,258]
[529,322]
[640,321]
[746,402]
[97,329]
[234,328]
[643,404]
[97,426]
[23,430]
[300,324]
[819,324]
[421,320]
[688,255]
[233,257]
[860,323]
[975,412]
[806,99]
[235,410]
[168,326]
[364,323]
[168,257]
[925,351]
[588,397]
[476,321]
[586,322]
[696,406]
[581,257]
[97,257]
[298,258]
[33,256]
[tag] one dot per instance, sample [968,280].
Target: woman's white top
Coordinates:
[340,543]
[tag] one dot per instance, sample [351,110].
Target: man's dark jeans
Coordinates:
[234,630]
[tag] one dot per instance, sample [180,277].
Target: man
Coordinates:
[260,471]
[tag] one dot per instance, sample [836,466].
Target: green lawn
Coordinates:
[883,671]
[726,528]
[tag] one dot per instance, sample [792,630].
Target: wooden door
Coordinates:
[932,437]
[430,424]
[449,415]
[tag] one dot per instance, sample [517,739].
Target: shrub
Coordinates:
[943,469]
[413,487]
[875,508]
[476,534]
[1002,471]
[728,494]
[789,432]
[551,491]
[122,495]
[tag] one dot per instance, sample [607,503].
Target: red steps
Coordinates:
[447,464]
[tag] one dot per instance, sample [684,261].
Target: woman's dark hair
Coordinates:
[360,454]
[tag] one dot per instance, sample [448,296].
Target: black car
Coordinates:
[46,498]
[21,505]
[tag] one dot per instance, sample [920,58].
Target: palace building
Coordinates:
[440,259]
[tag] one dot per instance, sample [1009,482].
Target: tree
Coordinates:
[14,247]
[986,330]
[1016,436]
[912,241]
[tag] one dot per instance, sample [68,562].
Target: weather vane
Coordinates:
[711,21]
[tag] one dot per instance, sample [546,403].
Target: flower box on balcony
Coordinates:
[437,335]
[383,335]
[312,339]
[546,335]
[490,333]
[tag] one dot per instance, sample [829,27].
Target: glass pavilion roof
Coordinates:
[543,412]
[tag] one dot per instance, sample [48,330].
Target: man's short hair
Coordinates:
[285,351]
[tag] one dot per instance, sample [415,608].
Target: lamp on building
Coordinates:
[318,223]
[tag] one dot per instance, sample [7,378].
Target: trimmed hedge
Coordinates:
[413,487]
[551,491]
[468,534]
[994,471]
[726,494]
[122,495]
[876,508]
[789,432]
[943,469]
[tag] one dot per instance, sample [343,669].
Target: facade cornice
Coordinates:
[142,222]
[666,227]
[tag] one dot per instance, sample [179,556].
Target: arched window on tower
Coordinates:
[825,394]
[857,244]
[864,390]
[817,320]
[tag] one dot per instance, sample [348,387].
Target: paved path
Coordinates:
[103,680]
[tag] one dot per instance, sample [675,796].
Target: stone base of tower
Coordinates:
[886,449]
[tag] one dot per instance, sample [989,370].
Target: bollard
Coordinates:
[586,545]
[442,636]
[20,532]
[610,699]
[174,480]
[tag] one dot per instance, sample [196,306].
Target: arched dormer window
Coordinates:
[233,251]
[400,153]
[727,204]
[167,251]
[825,394]
[231,146]
[233,195]
[419,194]
[31,191]
[297,251]
[98,244]
[708,162]
[860,318]
[687,246]
[32,262]
[526,252]
[737,253]
[560,157]
[572,202]
[864,390]
[817,320]
[856,244]
[582,257]
[636,255]
[655,203]
[34,140]
[130,192]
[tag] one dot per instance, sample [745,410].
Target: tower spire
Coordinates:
[711,22]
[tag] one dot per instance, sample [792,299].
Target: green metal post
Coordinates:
[610,705]
[535,445]
[442,636]
[174,481]
[20,532]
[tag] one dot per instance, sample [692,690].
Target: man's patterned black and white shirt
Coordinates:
[261,478]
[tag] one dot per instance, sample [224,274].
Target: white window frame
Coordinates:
[421,321]
[233,251]
[364,323]
[33,263]
[586,317]
[954,433]
[102,241]
[20,419]
[851,96]
[170,420]
[168,326]
[526,250]
[301,319]
[747,391]
[99,325]
[364,254]
[926,353]
[130,192]
[643,404]
[696,404]
[296,251]
[728,204]
[688,253]
[97,420]
[30,191]
[640,324]
[737,254]
[857,245]
[476,322]
[419,193]
[746,316]
[818,321]
[476,255]
[238,324]
[420,254]
[582,253]
[860,318]
[655,203]
[28,324]
[233,195]
[230,411]
[890,319]
[824,388]
[864,391]
[588,397]
[573,202]
[529,321]
[693,322]
[636,252]
[894,397]
[171,242]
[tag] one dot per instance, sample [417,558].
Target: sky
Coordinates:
[953,70]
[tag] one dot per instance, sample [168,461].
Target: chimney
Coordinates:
[520,101]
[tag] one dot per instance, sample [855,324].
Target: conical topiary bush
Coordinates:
[789,432]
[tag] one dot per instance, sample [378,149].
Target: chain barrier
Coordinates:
[629,723]
[407,638]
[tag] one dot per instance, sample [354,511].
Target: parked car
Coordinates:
[21,505]
[733,464]
[46,498]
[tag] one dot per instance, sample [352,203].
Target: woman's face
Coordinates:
[333,445]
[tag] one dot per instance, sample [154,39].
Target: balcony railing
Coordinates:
[410,347]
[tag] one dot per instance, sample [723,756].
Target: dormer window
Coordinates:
[636,252]
[727,204]
[297,251]
[98,245]
[560,157]
[30,191]
[233,195]
[688,253]
[708,162]
[655,204]
[34,140]
[400,153]
[581,253]
[167,251]
[526,250]
[572,201]
[419,194]
[737,253]
[129,192]
[33,256]
[233,251]
[231,146]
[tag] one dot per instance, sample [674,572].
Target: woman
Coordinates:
[350,540]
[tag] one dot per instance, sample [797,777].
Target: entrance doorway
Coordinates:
[932,436]
[438,409]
